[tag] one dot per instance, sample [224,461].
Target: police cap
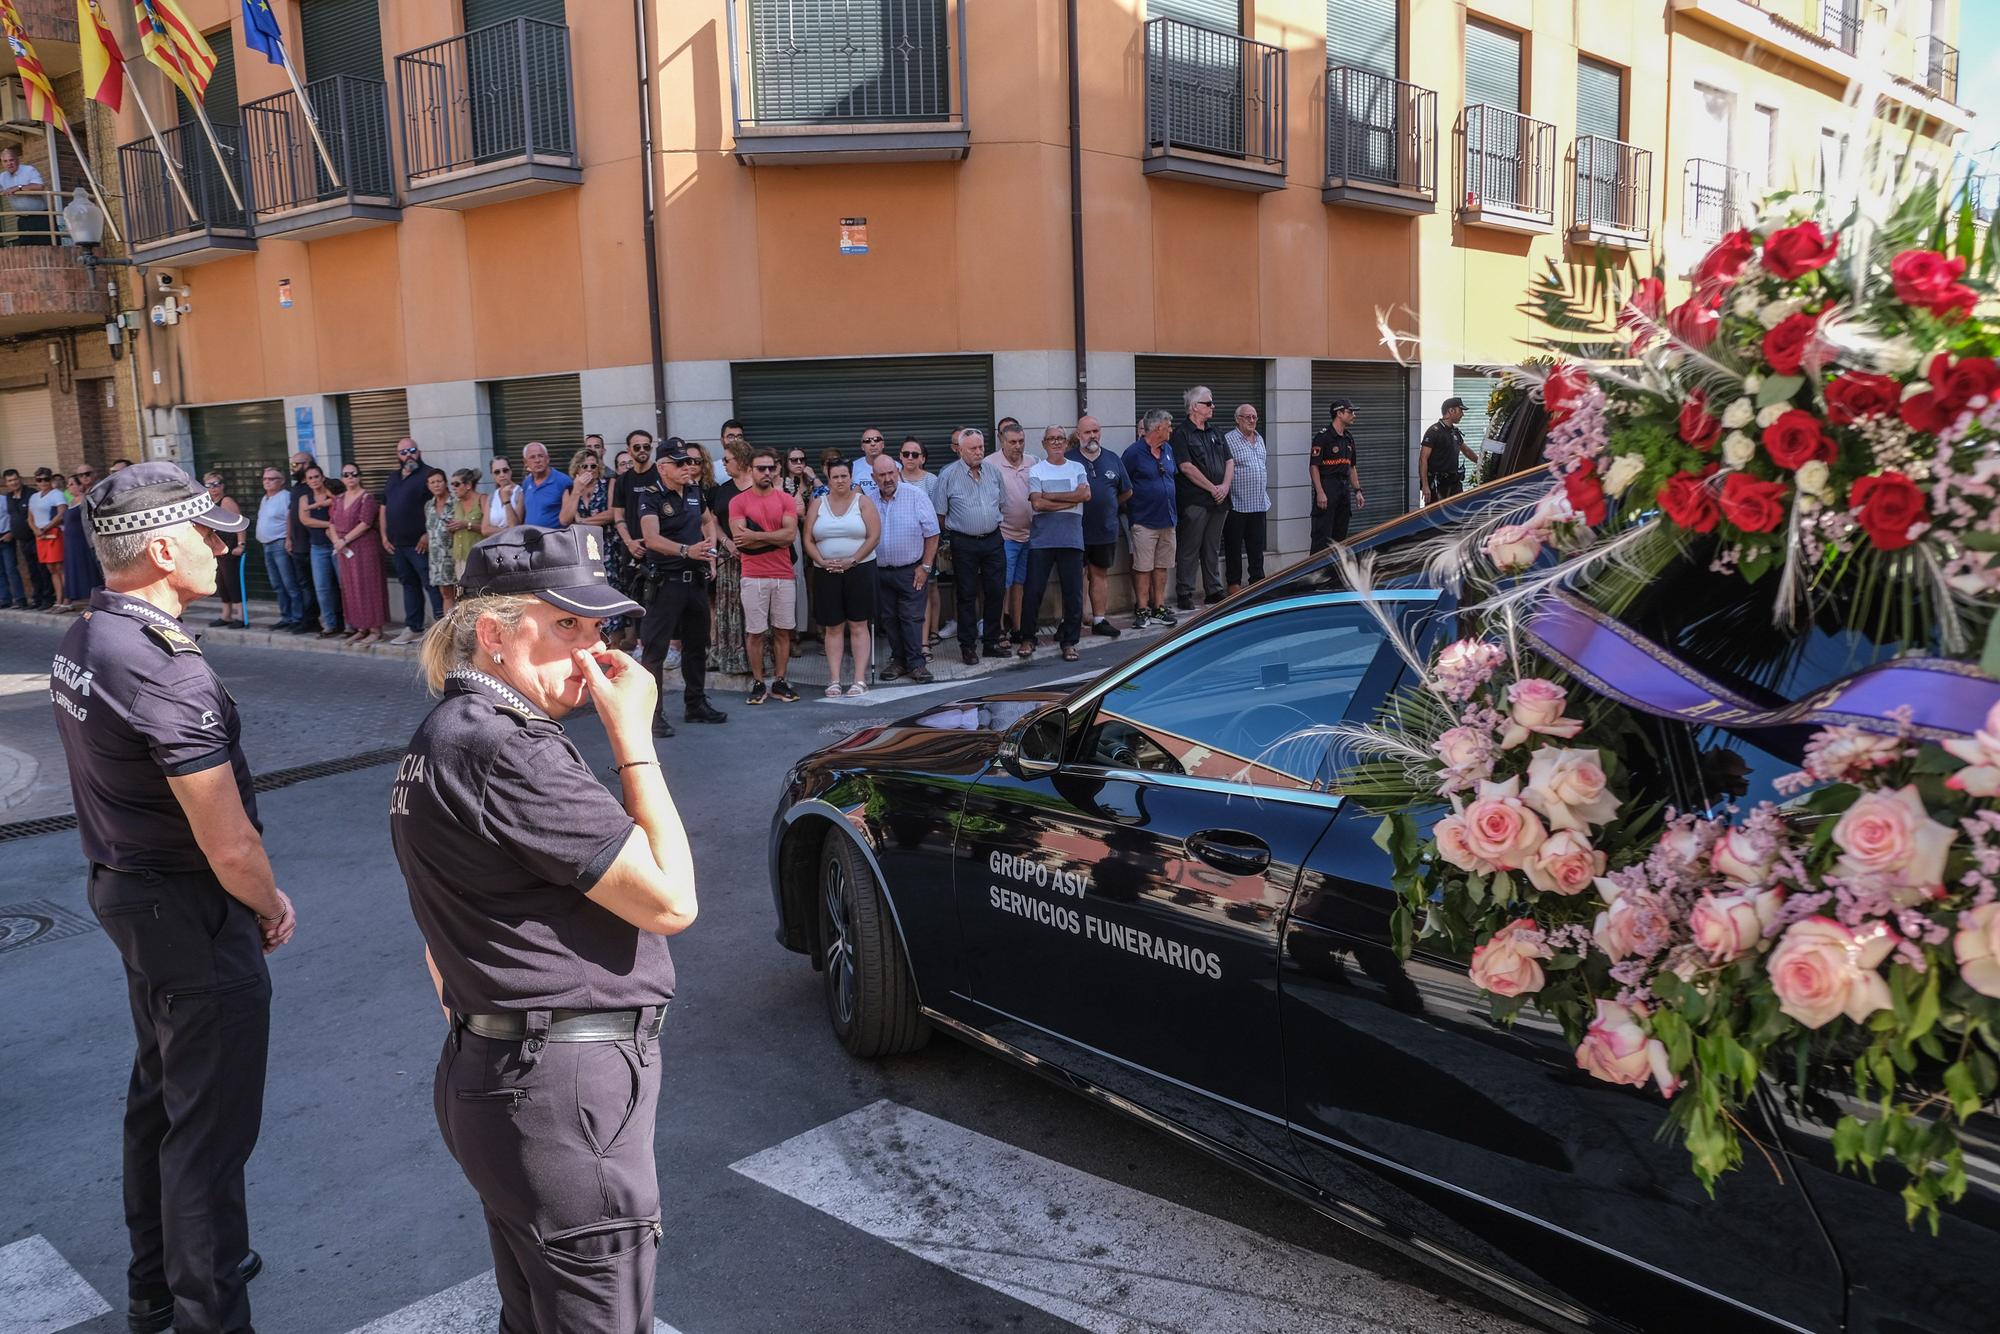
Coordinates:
[1338,405]
[146,496]
[564,567]
[1451,403]
[674,450]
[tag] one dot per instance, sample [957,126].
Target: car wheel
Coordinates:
[870,998]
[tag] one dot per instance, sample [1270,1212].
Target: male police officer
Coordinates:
[180,882]
[679,535]
[1336,486]
[1444,445]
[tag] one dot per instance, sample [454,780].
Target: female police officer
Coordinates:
[544,906]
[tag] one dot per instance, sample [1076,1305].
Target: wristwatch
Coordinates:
[930,571]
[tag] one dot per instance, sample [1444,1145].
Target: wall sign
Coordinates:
[854,236]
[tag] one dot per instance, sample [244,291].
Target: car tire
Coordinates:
[871,1000]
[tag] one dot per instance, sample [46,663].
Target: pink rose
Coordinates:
[1977,946]
[1536,706]
[1821,970]
[1889,840]
[1729,926]
[1615,1049]
[1567,787]
[1512,547]
[1981,753]
[1743,859]
[1450,834]
[1499,828]
[1683,844]
[1467,753]
[1565,864]
[1506,964]
[1466,665]
[1634,924]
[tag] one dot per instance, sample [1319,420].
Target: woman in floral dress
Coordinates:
[725,638]
[439,511]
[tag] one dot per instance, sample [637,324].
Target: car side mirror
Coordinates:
[1035,748]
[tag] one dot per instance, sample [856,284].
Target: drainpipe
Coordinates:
[1076,217]
[654,313]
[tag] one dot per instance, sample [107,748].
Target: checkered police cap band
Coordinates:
[181,511]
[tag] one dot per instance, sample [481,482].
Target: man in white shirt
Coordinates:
[27,198]
[274,518]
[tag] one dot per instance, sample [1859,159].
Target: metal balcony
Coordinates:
[1937,67]
[1713,197]
[488,115]
[295,195]
[157,223]
[1381,142]
[1507,166]
[847,81]
[1840,24]
[1611,200]
[1215,107]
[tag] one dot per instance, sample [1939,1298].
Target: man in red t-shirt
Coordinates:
[764,522]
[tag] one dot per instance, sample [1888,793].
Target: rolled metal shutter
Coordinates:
[371,425]
[1222,15]
[238,440]
[479,13]
[1475,388]
[1384,445]
[219,100]
[341,37]
[548,408]
[1493,143]
[27,430]
[1600,98]
[1362,34]
[824,404]
[1492,66]
[812,60]
[1160,382]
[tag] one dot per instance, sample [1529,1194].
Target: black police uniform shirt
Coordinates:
[1444,441]
[679,513]
[501,830]
[135,705]
[629,488]
[1333,455]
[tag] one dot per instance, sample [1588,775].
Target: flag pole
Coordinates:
[215,145]
[312,121]
[173,168]
[91,177]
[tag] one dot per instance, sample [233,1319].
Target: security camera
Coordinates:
[165,281]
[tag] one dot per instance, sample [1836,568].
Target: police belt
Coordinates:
[568,1025]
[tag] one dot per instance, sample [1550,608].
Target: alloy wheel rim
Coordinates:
[840,949]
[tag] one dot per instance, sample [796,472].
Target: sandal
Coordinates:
[1069,653]
[857,690]
[1025,649]
[834,691]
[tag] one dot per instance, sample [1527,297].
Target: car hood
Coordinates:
[955,737]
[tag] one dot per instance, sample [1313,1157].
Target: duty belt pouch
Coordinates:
[537,1037]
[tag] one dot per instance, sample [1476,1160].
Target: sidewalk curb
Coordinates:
[259,636]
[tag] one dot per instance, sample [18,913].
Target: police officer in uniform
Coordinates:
[679,533]
[180,883]
[544,904]
[1336,486]
[1437,459]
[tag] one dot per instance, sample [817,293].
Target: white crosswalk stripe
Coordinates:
[471,1307]
[1103,1256]
[40,1293]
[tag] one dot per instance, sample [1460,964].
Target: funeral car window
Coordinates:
[1250,703]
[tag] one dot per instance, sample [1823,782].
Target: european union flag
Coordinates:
[261,31]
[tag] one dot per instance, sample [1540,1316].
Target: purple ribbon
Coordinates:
[1945,699]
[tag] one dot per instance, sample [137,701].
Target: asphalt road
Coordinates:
[360,1213]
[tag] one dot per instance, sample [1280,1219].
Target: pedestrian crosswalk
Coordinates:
[40,1293]
[471,1307]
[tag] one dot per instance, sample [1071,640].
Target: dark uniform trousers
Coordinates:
[1330,525]
[1446,484]
[558,1142]
[677,609]
[201,1007]
[979,566]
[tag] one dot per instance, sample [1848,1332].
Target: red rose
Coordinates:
[1886,507]
[1793,252]
[1648,299]
[1854,395]
[1699,427]
[1753,506]
[1785,346]
[1928,280]
[1796,439]
[1694,322]
[1560,392]
[1689,502]
[1720,266]
[1958,383]
[1585,493]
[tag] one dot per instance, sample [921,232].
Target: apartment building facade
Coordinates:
[863,209]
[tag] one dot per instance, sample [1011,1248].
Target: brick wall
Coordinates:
[47,281]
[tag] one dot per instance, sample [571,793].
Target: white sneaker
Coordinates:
[673,663]
[407,637]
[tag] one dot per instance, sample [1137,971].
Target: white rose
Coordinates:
[1752,383]
[1624,470]
[1777,312]
[1738,449]
[1745,303]
[1739,414]
[1813,477]
[1771,414]
[1898,356]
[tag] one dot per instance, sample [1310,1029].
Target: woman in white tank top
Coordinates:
[840,535]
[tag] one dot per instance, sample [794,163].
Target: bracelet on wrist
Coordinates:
[633,764]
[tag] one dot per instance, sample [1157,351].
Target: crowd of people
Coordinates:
[46,562]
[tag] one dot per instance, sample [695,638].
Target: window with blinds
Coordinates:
[480,13]
[548,408]
[1161,382]
[1475,387]
[1494,142]
[1222,15]
[1362,34]
[219,101]
[370,426]
[1600,99]
[341,37]
[824,404]
[1384,445]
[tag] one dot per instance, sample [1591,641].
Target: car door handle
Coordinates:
[1227,850]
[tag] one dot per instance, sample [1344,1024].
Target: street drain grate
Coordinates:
[25,924]
[270,782]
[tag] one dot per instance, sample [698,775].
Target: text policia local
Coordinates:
[1074,884]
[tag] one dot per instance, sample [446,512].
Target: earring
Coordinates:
[496,660]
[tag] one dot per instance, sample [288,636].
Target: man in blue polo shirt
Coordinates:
[543,491]
[403,539]
[1150,471]
[1110,488]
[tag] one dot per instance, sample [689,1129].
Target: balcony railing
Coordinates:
[847,80]
[1612,203]
[1381,141]
[1508,162]
[1937,63]
[488,114]
[1217,94]
[1713,197]
[286,173]
[155,217]
[1840,23]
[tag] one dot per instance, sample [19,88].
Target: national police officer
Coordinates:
[544,903]
[679,533]
[180,882]
[1443,446]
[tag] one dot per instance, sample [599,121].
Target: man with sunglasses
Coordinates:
[872,444]
[678,533]
[764,522]
[1207,469]
[404,541]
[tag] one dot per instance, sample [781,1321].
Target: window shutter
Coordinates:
[219,101]
[238,440]
[1600,98]
[865,59]
[548,408]
[341,37]
[1222,15]
[480,13]
[371,424]
[1362,34]
[1492,66]
[1160,382]
[1383,442]
[824,404]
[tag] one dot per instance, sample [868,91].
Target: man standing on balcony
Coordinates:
[27,196]
[404,540]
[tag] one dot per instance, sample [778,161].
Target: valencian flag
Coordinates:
[103,62]
[34,79]
[168,40]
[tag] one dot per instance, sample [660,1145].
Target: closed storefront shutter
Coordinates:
[479,13]
[341,37]
[1361,34]
[371,425]
[824,404]
[1161,381]
[1383,442]
[1475,388]
[27,430]
[237,440]
[548,408]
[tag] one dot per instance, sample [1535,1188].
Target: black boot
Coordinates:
[701,711]
[151,1315]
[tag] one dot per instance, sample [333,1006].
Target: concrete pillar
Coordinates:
[699,400]
[616,399]
[312,426]
[1288,441]
[450,419]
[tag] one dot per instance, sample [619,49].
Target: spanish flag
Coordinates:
[103,62]
[42,103]
[168,40]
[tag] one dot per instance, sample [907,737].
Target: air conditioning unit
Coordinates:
[13,103]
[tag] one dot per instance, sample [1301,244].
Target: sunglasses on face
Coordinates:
[763,467]
[350,474]
[404,453]
[871,439]
[213,486]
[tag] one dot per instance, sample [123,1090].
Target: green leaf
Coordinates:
[1978,541]
[1756,565]
[1847,1142]
[1503,887]
[1961,1087]
[1989,657]
[1779,389]
[1924,1015]
[1400,931]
